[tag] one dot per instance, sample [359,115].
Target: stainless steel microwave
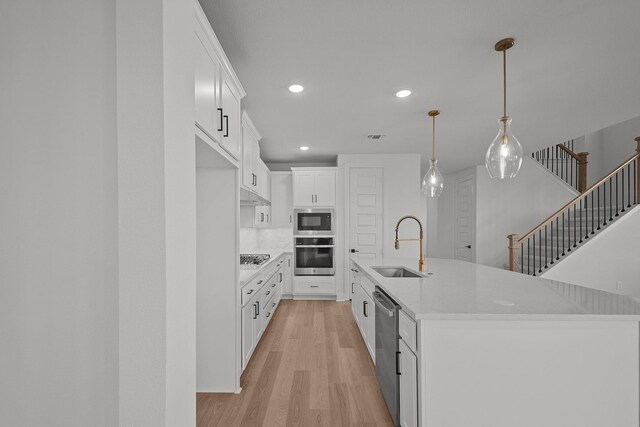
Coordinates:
[314,221]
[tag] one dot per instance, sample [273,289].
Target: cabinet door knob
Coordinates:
[468,246]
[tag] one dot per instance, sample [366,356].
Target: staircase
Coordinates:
[579,220]
[564,162]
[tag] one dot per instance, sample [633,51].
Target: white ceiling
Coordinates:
[575,69]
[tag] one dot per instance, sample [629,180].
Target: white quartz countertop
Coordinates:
[249,274]
[453,289]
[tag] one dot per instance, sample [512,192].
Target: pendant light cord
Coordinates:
[433,140]
[504,81]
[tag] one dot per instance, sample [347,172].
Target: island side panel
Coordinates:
[529,373]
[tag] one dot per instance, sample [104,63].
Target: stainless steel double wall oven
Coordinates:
[314,251]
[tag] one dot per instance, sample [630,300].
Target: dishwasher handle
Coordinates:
[380,303]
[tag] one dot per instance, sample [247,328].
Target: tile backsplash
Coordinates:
[254,240]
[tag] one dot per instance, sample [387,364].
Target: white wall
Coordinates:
[608,148]
[58,214]
[609,257]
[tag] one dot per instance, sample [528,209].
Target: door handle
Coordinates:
[226,122]
[221,115]
[353,251]
[468,246]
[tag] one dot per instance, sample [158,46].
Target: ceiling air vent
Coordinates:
[376,136]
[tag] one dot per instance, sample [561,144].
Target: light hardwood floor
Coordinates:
[311,368]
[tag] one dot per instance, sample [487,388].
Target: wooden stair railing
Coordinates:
[576,221]
[570,166]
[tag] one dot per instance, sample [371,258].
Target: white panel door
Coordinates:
[365,213]
[325,185]
[408,387]
[250,151]
[465,220]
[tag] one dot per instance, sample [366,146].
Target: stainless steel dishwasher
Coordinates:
[387,351]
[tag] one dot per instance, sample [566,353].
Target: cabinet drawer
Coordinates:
[315,287]
[250,290]
[408,330]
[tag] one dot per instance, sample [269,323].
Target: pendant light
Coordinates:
[504,156]
[432,183]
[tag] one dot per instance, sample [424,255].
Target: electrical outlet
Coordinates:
[619,285]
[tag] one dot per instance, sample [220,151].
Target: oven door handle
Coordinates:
[380,303]
[315,246]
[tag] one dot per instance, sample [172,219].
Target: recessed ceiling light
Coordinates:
[296,88]
[304,148]
[403,93]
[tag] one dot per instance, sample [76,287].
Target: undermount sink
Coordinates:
[396,272]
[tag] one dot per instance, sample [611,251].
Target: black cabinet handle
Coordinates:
[259,282]
[267,217]
[255,312]
[226,123]
[268,292]
[468,246]
[364,309]
[258,304]
[398,363]
[221,115]
[261,217]
[250,292]
[351,287]
[353,251]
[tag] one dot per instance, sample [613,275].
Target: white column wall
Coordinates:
[156,204]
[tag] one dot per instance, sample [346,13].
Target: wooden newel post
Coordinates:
[514,246]
[582,172]
[637,139]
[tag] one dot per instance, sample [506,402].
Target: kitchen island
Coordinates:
[495,348]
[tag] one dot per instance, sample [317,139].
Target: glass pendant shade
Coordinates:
[432,183]
[504,156]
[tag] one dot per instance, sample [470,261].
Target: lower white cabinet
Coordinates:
[260,301]
[287,287]
[408,387]
[315,285]
[364,312]
[248,334]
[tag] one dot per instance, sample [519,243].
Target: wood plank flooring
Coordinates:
[311,368]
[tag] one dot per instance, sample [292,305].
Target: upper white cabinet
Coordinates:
[230,113]
[281,199]
[314,187]
[217,90]
[256,176]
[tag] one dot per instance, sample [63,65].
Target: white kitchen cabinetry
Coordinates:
[287,287]
[260,299]
[250,154]
[218,92]
[408,386]
[230,112]
[364,311]
[264,180]
[314,187]
[281,199]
